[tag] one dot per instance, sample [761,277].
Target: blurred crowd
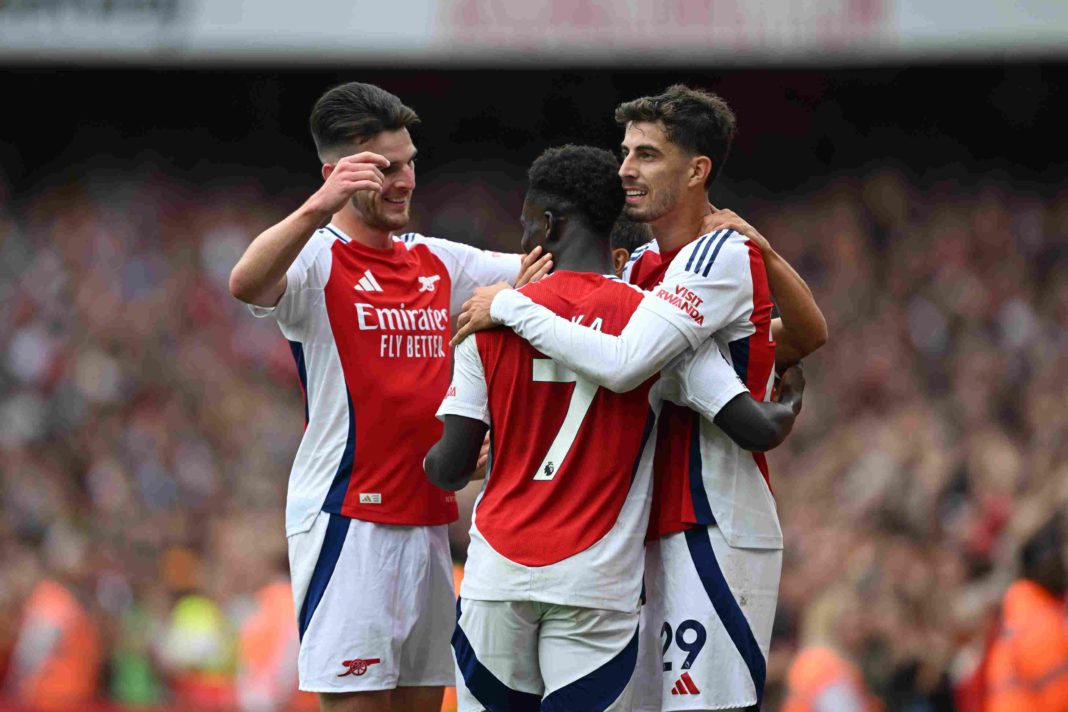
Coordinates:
[148,422]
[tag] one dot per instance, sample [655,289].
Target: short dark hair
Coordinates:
[582,180]
[694,119]
[355,112]
[630,235]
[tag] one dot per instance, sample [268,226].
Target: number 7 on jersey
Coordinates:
[548,371]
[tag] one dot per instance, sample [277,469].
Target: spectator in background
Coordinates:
[823,676]
[196,648]
[58,655]
[267,648]
[1027,665]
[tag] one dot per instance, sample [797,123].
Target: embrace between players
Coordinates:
[625,547]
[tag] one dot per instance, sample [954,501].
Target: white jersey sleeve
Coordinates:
[619,363]
[305,280]
[708,286]
[469,267]
[702,381]
[468,394]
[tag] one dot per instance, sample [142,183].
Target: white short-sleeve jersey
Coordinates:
[369,330]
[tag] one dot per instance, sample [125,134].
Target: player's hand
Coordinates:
[475,315]
[533,266]
[362,171]
[791,387]
[720,219]
[483,458]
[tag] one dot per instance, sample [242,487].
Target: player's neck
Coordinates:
[579,257]
[681,226]
[360,232]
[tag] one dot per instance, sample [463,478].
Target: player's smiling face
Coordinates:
[654,171]
[389,210]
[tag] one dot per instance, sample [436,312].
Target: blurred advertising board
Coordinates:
[629,33]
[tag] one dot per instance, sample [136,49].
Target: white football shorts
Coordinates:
[374,605]
[706,625]
[521,656]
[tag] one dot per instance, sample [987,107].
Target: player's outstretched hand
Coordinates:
[362,171]
[720,219]
[791,387]
[475,315]
[533,266]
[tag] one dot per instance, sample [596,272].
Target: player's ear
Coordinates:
[328,168]
[553,226]
[700,168]
[619,260]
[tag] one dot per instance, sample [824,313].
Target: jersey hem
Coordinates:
[399,520]
[600,604]
[464,411]
[716,403]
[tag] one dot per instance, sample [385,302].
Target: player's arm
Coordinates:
[707,384]
[453,459]
[701,293]
[259,277]
[760,426]
[451,462]
[801,327]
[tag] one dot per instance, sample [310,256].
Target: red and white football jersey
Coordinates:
[369,330]
[562,515]
[715,290]
[700,475]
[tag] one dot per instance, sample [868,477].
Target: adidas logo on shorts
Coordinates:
[370,498]
[685,686]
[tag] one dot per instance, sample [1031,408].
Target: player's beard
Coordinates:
[368,206]
[656,205]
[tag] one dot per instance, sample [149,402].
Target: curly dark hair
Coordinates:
[356,112]
[581,180]
[696,120]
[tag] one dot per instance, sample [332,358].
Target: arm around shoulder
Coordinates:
[801,328]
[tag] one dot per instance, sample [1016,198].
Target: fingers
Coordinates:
[353,173]
[529,259]
[535,270]
[461,334]
[525,264]
[471,321]
[545,266]
[366,157]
